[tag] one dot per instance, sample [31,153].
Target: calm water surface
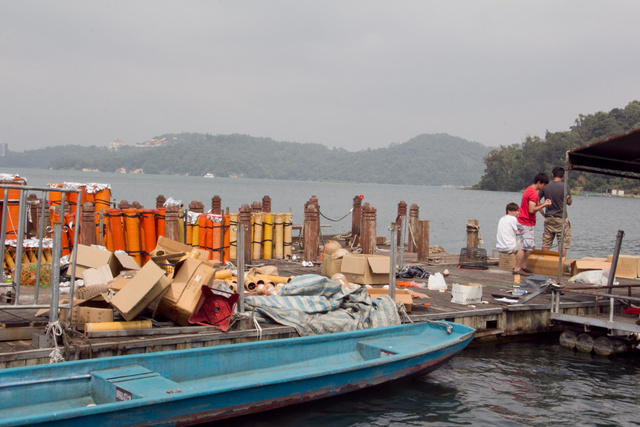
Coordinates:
[529,384]
[595,220]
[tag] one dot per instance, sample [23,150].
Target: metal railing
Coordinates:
[37,238]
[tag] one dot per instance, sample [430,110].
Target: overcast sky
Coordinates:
[352,74]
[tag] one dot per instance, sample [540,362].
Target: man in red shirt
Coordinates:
[529,207]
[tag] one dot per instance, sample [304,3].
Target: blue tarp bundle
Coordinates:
[314,304]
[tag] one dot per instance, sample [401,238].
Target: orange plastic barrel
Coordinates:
[116,229]
[202,228]
[103,199]
[209,238]
[132,233]
[14,195]
[149,229]
[160,217]
[55,197]
[226,237]
[216,237]
[69,220]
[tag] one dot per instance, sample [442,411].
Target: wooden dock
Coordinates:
[23,341]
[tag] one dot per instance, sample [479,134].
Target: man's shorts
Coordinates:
[553,228]
[527,237]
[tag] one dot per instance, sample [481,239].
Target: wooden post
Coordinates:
[136,205]
[414,227]
[216,205]
[368,237]
[88,224]
[160,200]
[244,226]
[423,241]
[402,216]
[123,204]
[311,237]
[171,223]
[473,227]
[266,204]
[356,217]
[196,206]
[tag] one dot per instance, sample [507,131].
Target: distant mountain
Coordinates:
[428,159]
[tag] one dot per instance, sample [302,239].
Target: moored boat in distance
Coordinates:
[213,383]
[209,175]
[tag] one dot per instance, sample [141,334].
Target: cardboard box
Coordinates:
[167,246]
[95,310]
[148,284]
[366,269]
[469,293]
[330,266]
[97,276]
[580,265]
[545,262]
[94,257]
[627,266]
[402,295]
[181,299]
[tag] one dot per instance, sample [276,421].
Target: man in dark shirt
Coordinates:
[554,191]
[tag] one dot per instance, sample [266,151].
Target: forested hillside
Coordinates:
[437,159]
[512,168]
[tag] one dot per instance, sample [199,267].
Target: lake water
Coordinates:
[526,383]
[595,221]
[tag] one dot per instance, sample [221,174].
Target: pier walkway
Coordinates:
[495,319]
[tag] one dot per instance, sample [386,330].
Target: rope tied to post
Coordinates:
[336,220]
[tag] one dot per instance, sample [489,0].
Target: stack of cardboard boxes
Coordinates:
[123,287]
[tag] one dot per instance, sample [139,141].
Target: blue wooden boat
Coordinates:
[204,384]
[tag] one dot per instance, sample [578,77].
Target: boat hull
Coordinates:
[199,385]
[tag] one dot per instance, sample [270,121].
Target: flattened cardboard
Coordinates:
[402,295]
[143,288]
[366,269]
[167,246]
[97,276]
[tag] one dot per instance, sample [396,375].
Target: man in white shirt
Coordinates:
[508,230]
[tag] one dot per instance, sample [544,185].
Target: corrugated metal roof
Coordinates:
[617,156]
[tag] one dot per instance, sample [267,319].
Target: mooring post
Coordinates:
[473,227]
[196,206]
[244,226]
[423,241]
[356,217]
[368,238]
[266,204]
[216,205]
[124,204]
[311,241]
[401,217]
[414,219]
[160,200]
[88,226]
[171,223]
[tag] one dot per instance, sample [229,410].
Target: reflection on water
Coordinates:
[530,383]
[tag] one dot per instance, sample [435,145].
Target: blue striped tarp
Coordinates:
[314,304]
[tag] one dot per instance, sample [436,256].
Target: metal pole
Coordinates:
[403,233]
[564,219]
[614,260]
[74,252]
[3,227]
[240,259]
[392,261]
[56,251]
[17,275]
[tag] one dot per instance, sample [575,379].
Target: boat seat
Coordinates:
[130,382]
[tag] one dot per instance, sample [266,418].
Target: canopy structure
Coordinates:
[616,156]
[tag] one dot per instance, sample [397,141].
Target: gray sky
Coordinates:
[352,74]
